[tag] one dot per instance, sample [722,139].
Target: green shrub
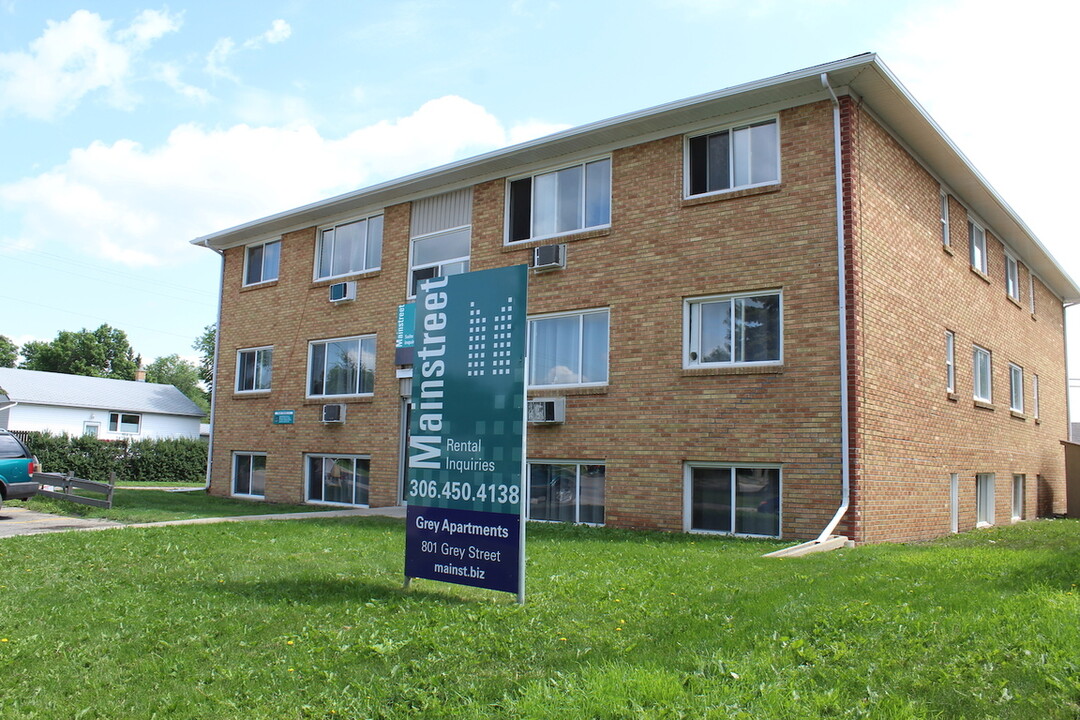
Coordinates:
[165,460]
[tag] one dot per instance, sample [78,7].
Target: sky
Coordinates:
[129,128]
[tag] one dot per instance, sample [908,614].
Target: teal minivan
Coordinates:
[17,468]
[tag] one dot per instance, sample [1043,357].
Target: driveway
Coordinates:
[17,520]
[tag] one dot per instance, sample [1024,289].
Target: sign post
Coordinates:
[466,504]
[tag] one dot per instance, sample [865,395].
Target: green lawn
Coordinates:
[308,619]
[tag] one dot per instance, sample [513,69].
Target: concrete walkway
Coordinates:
[16,520]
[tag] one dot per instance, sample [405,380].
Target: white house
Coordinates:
[101,407]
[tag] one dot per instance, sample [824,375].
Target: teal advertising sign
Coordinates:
[403,344]
[466,449]
[284,417]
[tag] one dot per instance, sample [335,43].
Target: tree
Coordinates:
[181,374]
[105,352]
[205,344]
[9,351]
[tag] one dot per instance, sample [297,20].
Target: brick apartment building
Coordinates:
[787,308]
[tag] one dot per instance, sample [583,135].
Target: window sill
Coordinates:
[731,195]
[1018,415]
[948,250]
[326,282]
[251,395]
[344,399]
[980,274]
[735,370]
[511,245]
[1014,301]
[258,286]
[952,396]
[983,405]
[536,392]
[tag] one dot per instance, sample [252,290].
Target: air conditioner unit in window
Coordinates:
[333,413]
[546,410]
[548,257]
[342,291]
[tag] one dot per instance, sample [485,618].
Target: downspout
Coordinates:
[214,384]
[845,438]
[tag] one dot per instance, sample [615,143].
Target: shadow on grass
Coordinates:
[319,591]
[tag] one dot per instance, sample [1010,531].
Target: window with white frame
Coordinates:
[342,366]
[1016,388]
[1012,277]
[253,369]
[737,499]
[977,246]
[439,255]
[944,218]
[1031,291]
[1018,483]
[126,423]
[566,492]
[950,361]
[984,499]
[1035,396]
[569,349]
[741,329]
[349,248]
[249,474]
[983,384]
[338,479]
[261,262]
[561,201]
[733,158]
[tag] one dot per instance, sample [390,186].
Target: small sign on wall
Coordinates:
[284,417]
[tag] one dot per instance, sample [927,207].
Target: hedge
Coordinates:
[165,460]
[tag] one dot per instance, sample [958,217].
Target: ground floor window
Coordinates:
[566,492]
[733,499]
[249,474]
[339,479]
[1018,497]
[984,499]
[127,423]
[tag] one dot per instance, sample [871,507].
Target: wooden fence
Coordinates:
[64,487]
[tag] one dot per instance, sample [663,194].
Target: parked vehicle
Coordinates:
[17,468]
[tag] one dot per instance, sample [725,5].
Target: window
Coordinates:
[127,423]
[1035,396]
[261,262]
[344,366]
[1012,277]
[954,502]
[984,499]
[732,330]
[1018,497]
[91,429]
[977,246]
[338,479]
[1016,388]
[734,158]
[351,247]
[950,361]
[254,369]
[944,218]
[1031,291]
[733,499]
[566,492]
[563,201]
[569,349]
[249,474]
[983,387]
[439,255]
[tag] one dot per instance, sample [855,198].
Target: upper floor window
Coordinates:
[1016,388]
[977,246]
[253,369]
[950,361]
[343,366]
[1031,291]
[733,158]
[127,423]
[569,349]
[348,248]
[983,385]
[562,201]
[1035,396]
[944,218]
[261,262]
[733,330]
[1012,277]
[440,233]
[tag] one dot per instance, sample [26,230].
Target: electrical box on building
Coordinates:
[546,410]
[343,291]
[548,257]
[333,413]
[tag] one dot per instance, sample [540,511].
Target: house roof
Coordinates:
[32,387]
[863,76]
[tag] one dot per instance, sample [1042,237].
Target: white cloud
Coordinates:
[217,60]
[141,206]
[279,32]
[73,58]
[169,74]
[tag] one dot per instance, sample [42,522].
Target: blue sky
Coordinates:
[129,128]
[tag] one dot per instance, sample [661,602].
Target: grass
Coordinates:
[309,620]
[148,505]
